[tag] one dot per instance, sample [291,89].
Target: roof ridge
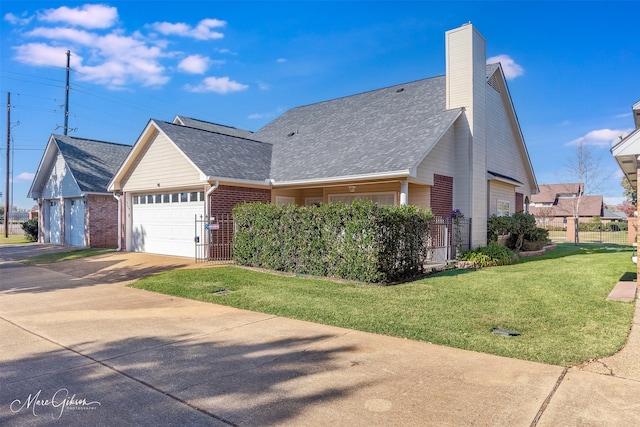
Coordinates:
[214,132]
[57,136]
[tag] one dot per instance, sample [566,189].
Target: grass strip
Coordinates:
[556,301]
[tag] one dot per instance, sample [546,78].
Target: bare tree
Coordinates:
[583,167]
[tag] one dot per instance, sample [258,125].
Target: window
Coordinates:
[378,198]
[135,200]
[174,198]
[166,198]
[193,196]
[143,200]
[184,197]
[285,200]
[150,199]
[201,196]
[158,198]
[309,201]
[503,208]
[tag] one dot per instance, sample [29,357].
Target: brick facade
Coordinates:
[442,195]
[102,221]
[225,197]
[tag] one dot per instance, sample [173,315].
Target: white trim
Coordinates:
[347,178]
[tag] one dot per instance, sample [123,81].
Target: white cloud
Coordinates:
[17,20]
[269,115]
[264,86]
[60,33]
[24,177]
[95,16]
[509,66]
[603,138]
[114,58]
[202,31]
[194,64]
[40,54]
[281,60]
[221,85]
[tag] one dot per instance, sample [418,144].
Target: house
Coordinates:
[627,154]
[446,142]
[70,187]
[556,202]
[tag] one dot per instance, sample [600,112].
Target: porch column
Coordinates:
[404,192]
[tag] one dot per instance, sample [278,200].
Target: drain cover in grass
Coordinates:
[505,332]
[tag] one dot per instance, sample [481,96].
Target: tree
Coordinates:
[627,208]
[630,192]
[583,167]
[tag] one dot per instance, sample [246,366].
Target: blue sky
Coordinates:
[573,67]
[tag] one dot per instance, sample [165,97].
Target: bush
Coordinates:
[359,241]
[490,255]
[497,226]
[30,228]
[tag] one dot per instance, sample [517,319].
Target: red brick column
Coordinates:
[571,230]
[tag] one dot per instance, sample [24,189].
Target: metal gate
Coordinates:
[214,238]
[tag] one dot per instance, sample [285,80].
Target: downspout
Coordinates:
[208,198]
[117,197]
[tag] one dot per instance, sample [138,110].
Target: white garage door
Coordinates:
[165,223]
[54,225]
[75,222]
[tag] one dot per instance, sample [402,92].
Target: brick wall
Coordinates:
[225,197]
[102,219]
[442,195]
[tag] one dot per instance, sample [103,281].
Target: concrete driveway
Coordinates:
[78,348]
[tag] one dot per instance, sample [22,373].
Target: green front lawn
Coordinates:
[556,301]
[13,239]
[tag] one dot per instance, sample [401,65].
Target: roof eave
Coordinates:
[399,174]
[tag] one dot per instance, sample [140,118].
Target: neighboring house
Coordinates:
[70,187]
[447,142]
[557,202]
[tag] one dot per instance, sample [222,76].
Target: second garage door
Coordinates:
[165,223]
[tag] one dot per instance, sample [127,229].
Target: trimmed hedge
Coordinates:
[359,241]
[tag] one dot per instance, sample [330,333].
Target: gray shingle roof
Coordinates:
[385,130]
[221,155]
[213,127]
[92,163]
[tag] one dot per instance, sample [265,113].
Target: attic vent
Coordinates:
[291,134]
[400,90]
[493,83]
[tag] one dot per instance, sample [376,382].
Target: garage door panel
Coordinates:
[55,224]
[167,228]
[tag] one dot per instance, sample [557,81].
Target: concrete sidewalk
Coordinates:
[133,357]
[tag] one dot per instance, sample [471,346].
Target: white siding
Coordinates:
[501,191]
[162,165]
[441,160]
[60,182]
[504,152]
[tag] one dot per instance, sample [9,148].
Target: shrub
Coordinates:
[497,226]
[30,228]
[490,255]
[360,241]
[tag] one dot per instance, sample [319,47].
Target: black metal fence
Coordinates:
[448,237]
[591,231]
[214,238]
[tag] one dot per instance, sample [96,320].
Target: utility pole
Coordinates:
[66,98]
[6,192]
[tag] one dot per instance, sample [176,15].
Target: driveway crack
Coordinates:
[546,402]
